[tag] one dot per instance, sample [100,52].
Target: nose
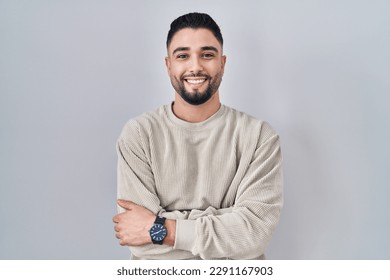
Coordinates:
[195,65]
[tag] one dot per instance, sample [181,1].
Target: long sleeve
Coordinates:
[223,184]
[136,183]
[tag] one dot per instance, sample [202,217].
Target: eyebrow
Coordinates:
[209,48]
[180,49]
[205,48]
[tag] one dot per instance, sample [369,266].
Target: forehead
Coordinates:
[194,39]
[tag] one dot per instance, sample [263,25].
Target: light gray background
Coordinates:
[73,72]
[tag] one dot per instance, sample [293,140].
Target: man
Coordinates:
[197,179]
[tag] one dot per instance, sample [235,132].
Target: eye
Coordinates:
[182,56]
[208,55]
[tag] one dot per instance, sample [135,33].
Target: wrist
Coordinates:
[171,232]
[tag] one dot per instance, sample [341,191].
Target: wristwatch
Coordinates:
[158,231]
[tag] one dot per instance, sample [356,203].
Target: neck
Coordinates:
[195,113]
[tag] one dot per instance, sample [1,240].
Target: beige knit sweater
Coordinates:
[221,179]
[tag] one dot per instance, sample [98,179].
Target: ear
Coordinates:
[168,65]
[223,62]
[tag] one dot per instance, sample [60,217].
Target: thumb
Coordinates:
[125,204]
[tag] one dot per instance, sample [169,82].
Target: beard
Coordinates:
[197,97]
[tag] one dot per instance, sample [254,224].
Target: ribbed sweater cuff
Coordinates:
[185,234]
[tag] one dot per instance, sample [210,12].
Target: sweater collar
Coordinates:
[210,122]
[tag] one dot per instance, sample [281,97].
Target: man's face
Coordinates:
[195,64]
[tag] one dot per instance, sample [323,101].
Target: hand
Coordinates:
[132,226]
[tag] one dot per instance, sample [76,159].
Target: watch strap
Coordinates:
[160,220]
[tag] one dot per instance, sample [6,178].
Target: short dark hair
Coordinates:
[195,21]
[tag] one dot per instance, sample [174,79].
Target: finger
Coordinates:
[116,228]
[125,204]
[117,235]
[115,219]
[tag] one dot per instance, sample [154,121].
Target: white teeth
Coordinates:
[195,81]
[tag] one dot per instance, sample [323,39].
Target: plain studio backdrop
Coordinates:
[73,72]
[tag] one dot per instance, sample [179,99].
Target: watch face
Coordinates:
[158,232]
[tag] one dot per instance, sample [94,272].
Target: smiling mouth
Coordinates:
[195,81]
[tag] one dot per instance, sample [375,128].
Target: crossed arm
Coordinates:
[241,231]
